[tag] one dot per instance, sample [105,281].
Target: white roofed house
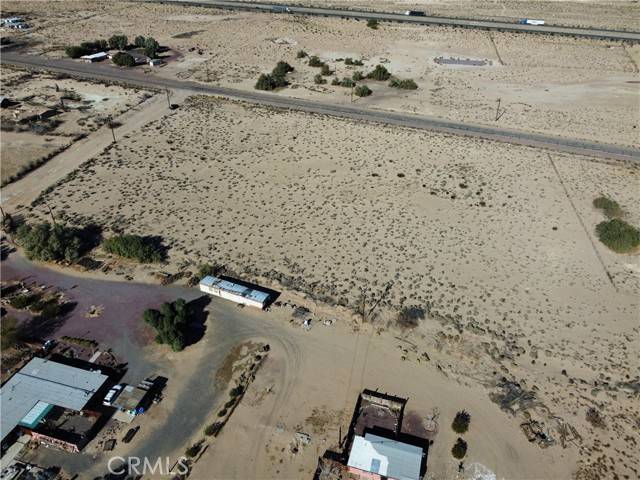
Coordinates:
[376,457]
[235,291]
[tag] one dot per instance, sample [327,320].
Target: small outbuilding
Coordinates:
[376,457]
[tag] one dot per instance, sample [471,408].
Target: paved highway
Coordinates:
[105,72]
[627,36]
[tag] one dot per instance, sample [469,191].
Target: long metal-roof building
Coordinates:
[234,291]
[25,398]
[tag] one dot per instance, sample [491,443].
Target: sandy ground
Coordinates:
[82,108]
[496,241]
[571,87]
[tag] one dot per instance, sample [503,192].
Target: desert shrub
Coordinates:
[358,63]
[348,61]
[357,76]
[319,79]
[325,70]
[23,301]
[222,412]
[301,54]
[373,23]
[151,47]
[123,60]
[50,243]
[314,61]
[230,404]
[281,69]
[610,207]
[142,249]
[594,418]
[213,429]
[139,41]
[618,235]
[208,269]
[170,323]
[362,91]
[461,422]
[407,84]
[270,82]
[118,42]
[459,450]
[192,451]
[347,82]
[409,317]
[335,81]
[379,73]
[239,390]
[9,334]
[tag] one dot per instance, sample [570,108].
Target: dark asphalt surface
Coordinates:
[105,72]
[596,33]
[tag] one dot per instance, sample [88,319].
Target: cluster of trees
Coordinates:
[50,243]
[275,79]
[142,249]
[460,425]
[123,59]
[379,73]
[170,323]
[116,42]
[86,48]
[407,84]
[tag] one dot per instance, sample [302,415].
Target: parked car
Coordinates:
[111,395]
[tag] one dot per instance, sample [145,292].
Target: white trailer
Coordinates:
[529,21]
[234,291]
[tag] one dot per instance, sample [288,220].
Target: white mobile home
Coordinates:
[234,291]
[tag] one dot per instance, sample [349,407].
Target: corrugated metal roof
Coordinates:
[385,457]
[236,288]
[45,381]
[95,56]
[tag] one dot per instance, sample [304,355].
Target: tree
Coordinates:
[281,69]
[151,47]
[459,450]
[170,323]
[362,91]
[47,243]
[461,422]
[618,235]
[379,73]
[142,249]
[123,60]
[301,54]
[118,42]
[75,51]
[139,41]
[407,84]
[314,61]
[347,82]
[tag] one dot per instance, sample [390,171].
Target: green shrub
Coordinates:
[407,84]
[281,69]
[229,404]
[47,243]
[75,51]
[351,61]
[139,41]
[270,82]
[301,54]
[170,323]
[379,73]
[142,249]
[325,70]
[618,235]
[192,451]
[314,61]
[123,60]
[461,422]
[236,391]
[357,76]
[119,42]
[222,412]
[410,316]
[347,82]
[21,302]
[610,207]
[319,79]
[459,450]
[335,81]
[213,429]
[372,23]
[362,91]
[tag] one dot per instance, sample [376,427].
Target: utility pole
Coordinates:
[111,126]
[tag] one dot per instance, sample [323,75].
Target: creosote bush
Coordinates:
[319,79]
[409,317]
[379,73]
[610,207]
[618,235]
[407,84]
[314,61]
[325,70]
[357,76]
[362,91]
[301,54]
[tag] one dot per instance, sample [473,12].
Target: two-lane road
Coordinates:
[133,77]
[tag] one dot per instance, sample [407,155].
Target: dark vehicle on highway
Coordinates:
[415,13]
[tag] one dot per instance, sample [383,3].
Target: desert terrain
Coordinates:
[576,88]
[496,242]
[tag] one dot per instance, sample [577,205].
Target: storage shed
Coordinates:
[234,291]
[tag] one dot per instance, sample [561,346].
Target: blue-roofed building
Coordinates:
[234,291]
